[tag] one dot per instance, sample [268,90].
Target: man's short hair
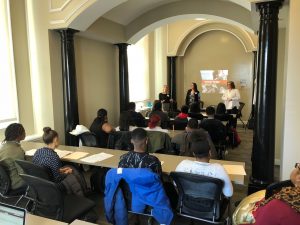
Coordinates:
[131,106]
[193,124]
[199,144]
[138,134]
[210,111]
[185,109]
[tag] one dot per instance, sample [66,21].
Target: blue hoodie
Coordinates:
[146,189]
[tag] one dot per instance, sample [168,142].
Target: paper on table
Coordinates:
[97,157]
[30,152]
[235,169]
[60,153]
[76,155]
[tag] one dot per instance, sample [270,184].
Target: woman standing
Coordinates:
[231,97]
[164,96]
[192,95]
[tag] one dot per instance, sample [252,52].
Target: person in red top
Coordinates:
[184,112]
[282,208]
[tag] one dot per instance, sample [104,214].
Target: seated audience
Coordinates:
[139,158]
[126,122]
[280,209]
[101,128]
[11,150]
[182,140]
[215,128]
[202,166]
[157,110]
[195,111]
[136,117]
[154,124]
[183,113]
[67,178]
[221,114]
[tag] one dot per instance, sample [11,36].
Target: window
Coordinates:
[138,68]
[8,93]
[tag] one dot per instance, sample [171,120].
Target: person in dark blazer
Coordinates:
[192,95]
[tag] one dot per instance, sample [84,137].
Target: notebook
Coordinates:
[11,215]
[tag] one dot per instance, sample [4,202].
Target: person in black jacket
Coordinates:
[164,96]
[192,95]
[134,116]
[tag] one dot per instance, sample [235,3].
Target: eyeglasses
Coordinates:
[297,165]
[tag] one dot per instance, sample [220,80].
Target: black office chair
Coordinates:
[34,170]
[201,198]
[180,124]
[89,139]
[120,140]
[7,195]
[218,134]
[239,113]
[128,199]
[49,202]
[276,187]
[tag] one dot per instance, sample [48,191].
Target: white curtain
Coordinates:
[8,93]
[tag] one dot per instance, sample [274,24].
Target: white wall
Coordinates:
[291,153]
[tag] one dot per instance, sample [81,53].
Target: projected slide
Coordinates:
[213,81]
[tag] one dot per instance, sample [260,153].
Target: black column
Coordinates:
[172,76]
[71,118]
[265,107]
[123,76]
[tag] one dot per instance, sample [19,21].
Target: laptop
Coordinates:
[11,215]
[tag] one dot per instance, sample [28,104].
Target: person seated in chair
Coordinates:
[183,113]
[136,117]
[126,122]
[215,127]
[139,158]
[154,124]
[195,111]
[283,207]
[11,150]
[181,140]
[201,150]
[101,128]
[157,110]
[68,178]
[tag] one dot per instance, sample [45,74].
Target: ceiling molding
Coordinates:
[60,9]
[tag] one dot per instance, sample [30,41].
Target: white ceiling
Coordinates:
[131,9]
[128,11]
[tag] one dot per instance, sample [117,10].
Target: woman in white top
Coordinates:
[154,124]
[231,96]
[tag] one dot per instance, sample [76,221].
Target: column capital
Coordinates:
[269,10]
[67,34]
[122,45]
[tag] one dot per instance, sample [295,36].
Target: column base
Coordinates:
[256,185]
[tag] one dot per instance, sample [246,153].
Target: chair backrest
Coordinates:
[4,181]
[89,139]
[242,104]
[199,196]
[276,187]
[34,170]
[216,130]
[159,142]
[48,199]
[120,140]
[180,124]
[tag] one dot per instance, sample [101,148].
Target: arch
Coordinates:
[249,42]
[85,13]
[221,11]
